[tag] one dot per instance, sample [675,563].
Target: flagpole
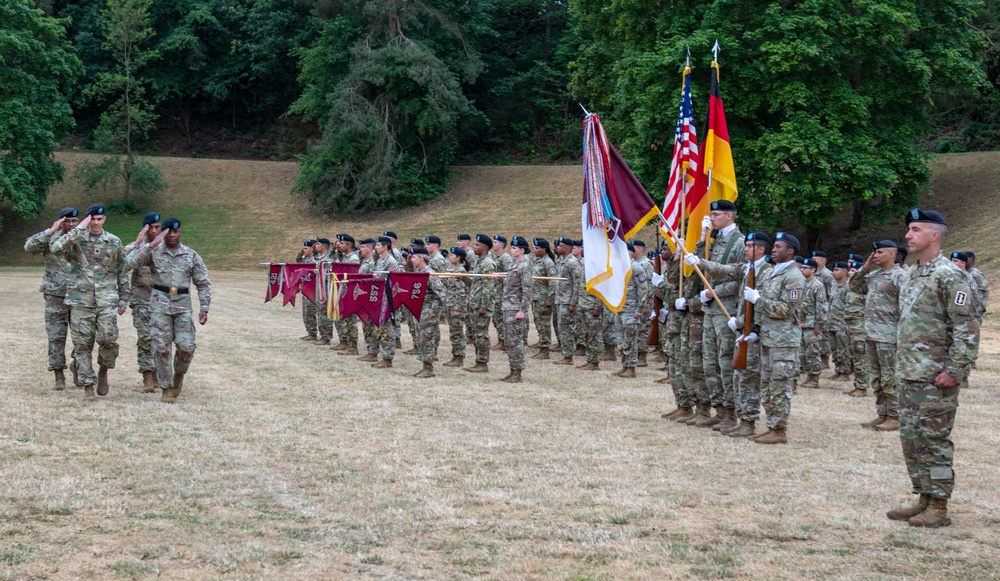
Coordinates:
[708,285]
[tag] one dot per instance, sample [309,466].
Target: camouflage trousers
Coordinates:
[926,418]
[513,338]
[456,332]
[57,329]
[168,330]
[593,324]
[411,323]
[882,376]
[826,344]
[748,385]
[683,397]
[309,316]
[611,330]
[812,362]
[579,328]
[144,339]
[778,368]
[430,333]
[644,325]
[498,317]
[324,325]
[692,362]
[347,329]
[567,331]
[718,345]
[543,322]
[480,326]
[87,326]
[385,337]
[629,345]
[370,333]
[842,362]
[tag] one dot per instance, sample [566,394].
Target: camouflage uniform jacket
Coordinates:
[174,268]
[814,308]
[367,266]
[517,288]
[542,290]
[436,294]
[56,266]
[503,261]
[568,291]
[838,304]
[457,292]
[438,263]
[387,263]
[483,294]
[936,330]
[740,272]
[825,275]
[98,276]
[668,293]
[777,309]
[691,289]
[637,290]
[647,266]
[854,305]
[142,277]
[352,258]
[726,249]
[881,291]
[984,290]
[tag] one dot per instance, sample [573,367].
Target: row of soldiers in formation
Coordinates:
[86,287]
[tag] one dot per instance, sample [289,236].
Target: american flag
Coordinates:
[684,164]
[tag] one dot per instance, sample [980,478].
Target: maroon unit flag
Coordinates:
[407,289]
[366,298]
[339,268]
[273,281]
[290,279]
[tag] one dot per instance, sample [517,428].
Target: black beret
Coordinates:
[390,234]
[857,264]
[724,205]
[347,238]
[787,239]
[810,263]
[150,218]
[902,249]
[578,243]
[500,238]
[960,256]
[884,244]
[800,259]
[405,251]
[94,210]
[432,240]
[465,237]
[855,258]
[324,241]
[541,242]
[171,224]
[458,252]
[768,259]
[638,243]
[416,242]
[368,241]
[930,217]
[819,254]
[564,240]
[970,254]
[419,251]
[520,242]
[384,240]
[484,239]
[840,265]
[309,243]
[758,237]
[630,246]
[69,213]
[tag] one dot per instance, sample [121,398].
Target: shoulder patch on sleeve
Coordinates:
[793,294]
[960,298]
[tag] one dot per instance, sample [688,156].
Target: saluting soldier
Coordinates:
[142,290]
[430,312]
[482,298]
[308,307]
[854,319]
[54,282]
[503,261]
[841,341]
[457,305]
[542,295]
[97,292]
[386,335]
[814,311]
[516,303]
[366,251]
[174,268]
[825,275]
[347,329]
[566,298]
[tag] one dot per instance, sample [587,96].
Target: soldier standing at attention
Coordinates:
[981,282]
[482,298]
[936,340]
[503,261]
[385,336]
[691,361]
[826,277]
[97,292]
[142,290]
[57,268]
[854,320]
[516,304]
[324,324]
[456,306]
[174,267]
[641,259]
[591,310]
[566,298]
[349,326]
[542,295]
[881,291]
[841,342]
[632,316]
[814,311]
[579,331]
[366,250]
[776,303]
[308,307]
[434,298]
[683,397]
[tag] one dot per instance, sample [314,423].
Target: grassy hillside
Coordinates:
[237,213]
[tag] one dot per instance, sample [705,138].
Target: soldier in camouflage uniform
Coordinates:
[405,315]
[482,298]
[434,299]
[97,292]
[880,287]
[503,260]
[386,335]
[579,327]
[814,313]
[438,263]
[57,312]
[936,340]
[639,254]
[691,360]
[776,302]
[669,293]
[542,295]
[854,320]
[366,252]
[142,290]
[566,298]
[174,267]
[825,275]
[308,307]
[981,283]
[633,316]
[591,310]
[978,308]
[457,305]
[841,340]
[324,324]
[347,329]
[516,303]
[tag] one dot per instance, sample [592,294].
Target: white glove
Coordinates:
[692,259]
[751,294]
[663,315]
[732,324]
[752,337]
[657,279]
[706,223]
[738,340]
[705,296]
[652,315]
[681,304]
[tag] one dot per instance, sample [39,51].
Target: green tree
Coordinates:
[37,65]
[827,101]
[128,117]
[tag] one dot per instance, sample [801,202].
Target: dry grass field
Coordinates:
[283,460]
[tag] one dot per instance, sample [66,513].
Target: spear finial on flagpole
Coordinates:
[687,61]
[715,50]
[585,112]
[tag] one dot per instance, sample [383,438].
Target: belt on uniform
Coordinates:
[171,290]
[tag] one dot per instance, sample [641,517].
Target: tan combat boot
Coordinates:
[456,361]
[171,394]
[728,423]
[580,351]
[826,361]
[671,415]
[399,343]
[384,364]
[543,353]
[712,420]
[148,382]
[684,414]
[352,348]
[308,338]
[935,516]
[369,358]
[907,513]
[88,393]
[775,436]
[588,366]
[427,371]
[760,435]
[514,377]
[609,354]
[102,381]
[642,361]
[564,361]
[500,346]
[60,380]
[479,367]
[76,377]
[701,412]
[812,381]
[663,380]
[326,342]
[857,392]
[891,424]
[876,422]
[747,428]
[627,373]
[413,351]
